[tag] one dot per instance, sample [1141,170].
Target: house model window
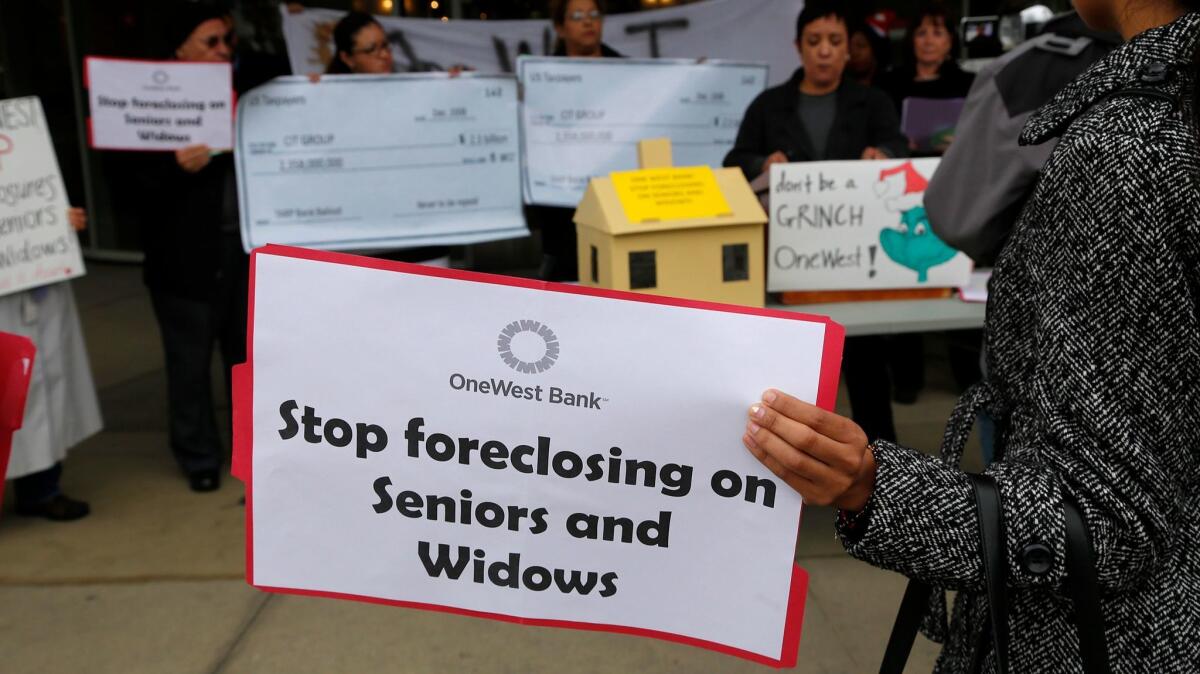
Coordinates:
[643,272]
[595,265]
[735,262]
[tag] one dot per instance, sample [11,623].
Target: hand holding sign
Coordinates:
[822,455]
[193,158]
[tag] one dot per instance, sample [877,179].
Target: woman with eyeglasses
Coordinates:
[361,47]
[580,28]
[195,267]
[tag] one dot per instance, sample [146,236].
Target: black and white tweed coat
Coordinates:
[1093,333]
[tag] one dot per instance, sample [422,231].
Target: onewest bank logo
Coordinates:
[529,347]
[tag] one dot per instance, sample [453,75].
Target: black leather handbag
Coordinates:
[1081,585]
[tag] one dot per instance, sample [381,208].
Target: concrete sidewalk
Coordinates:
[153,580]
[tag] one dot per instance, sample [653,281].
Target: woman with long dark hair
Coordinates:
[1093,336]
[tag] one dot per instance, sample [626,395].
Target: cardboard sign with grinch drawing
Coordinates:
[856,225]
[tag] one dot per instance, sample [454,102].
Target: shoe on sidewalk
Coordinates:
[57,509]
[205,480]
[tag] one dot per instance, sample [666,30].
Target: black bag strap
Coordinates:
[991,550]
[1081,584]
[1085,593]
[904,631]
[916,596]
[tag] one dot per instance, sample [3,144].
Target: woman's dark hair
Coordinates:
[343,39]
[558,10]
[879,44]
[184,17]
[938,12]
[819,9]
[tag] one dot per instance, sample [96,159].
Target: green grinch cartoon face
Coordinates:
[914,245]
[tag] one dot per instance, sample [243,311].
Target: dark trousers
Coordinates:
[869,385]
[37,488]
[560,258]
[190,329]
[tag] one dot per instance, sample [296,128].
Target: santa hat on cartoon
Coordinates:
[901,187]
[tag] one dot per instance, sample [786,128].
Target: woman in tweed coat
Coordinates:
[1093,333]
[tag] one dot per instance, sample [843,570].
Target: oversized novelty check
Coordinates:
[584,117]
[379,161]
[525,451]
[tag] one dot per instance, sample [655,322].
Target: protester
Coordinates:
[361,47]
[929,69]
[869,54]
[1092,331]
[579,25]
[820,115]
[61,409]
[195,266]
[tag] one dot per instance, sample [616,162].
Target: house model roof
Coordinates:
[601,208]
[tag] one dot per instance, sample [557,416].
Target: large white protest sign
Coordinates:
[523,451]
[583,118]
[158,105]
[736,30]
[856,225]
[380,161]
[37,244]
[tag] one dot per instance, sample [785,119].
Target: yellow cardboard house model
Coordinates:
[690,232]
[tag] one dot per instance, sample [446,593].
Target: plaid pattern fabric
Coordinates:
[1093,334]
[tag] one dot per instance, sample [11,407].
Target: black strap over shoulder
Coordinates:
[1085,594]
[991,551]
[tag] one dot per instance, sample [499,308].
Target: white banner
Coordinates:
[385,161]
[583,118]
[522,451]
[158,105]
[761,31]
[37,244]
[856,225]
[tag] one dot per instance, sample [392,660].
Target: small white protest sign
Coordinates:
[856,225]
[159,105]
[37,244]
[527,452]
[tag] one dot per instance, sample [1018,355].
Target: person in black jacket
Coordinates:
[194,265]
[580,28]
[929,69]
[821,115]
[817,114]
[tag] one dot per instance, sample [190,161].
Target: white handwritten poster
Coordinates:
[562,456]
[856,225]
[37,244]
[159,105]
[380,161]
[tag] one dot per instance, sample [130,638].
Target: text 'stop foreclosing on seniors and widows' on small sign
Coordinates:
[158,105]
[562,456]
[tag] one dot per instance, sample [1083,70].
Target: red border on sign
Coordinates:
[243,407]
[87,82]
